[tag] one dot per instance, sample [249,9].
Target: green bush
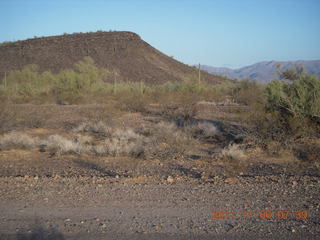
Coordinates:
[85,78]
[297,103]
[28,82]
[86,82]
[68,85]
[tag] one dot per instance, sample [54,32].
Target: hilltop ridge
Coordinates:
[124,54]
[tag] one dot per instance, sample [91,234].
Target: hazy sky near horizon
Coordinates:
[232,33]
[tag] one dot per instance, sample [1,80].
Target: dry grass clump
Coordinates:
[181,114]
[203,130]
[94,127]
[100,150]
[234,160]
[121,142]
[125,142]
[167,141]
[83,139]
[60,145]
[54,143]
[162,141]
[18,140]
[115,142]
[233,152]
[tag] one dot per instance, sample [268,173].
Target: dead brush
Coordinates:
[115,141]
[124,142]
[234,160]
[167,141]
[202,130]
[180,107]
[15,140]
[59,145]
[99,128]
[83,139]
[163,141]
[133,102]
[181,115]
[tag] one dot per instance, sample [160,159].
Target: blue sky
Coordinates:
[230,33]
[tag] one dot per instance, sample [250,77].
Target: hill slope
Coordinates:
[124,54]
[264,71]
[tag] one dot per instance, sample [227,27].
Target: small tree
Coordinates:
[296,101]
[84,78]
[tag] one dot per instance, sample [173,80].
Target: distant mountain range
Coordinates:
[263,71]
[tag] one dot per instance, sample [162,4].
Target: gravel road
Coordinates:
[146,208]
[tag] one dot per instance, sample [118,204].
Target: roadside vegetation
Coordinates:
[280,117]
[86,82]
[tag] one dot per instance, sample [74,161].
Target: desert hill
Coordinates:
[124,54]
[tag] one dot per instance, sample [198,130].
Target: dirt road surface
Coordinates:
[145,208]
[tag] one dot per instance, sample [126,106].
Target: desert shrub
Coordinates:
[296,103]
[61,145]
[69,85]
[99,128]
[167,141]
[202,130]
[290,111]
[233,159]
[133,102]
[247,92]
[122,142]
[291,74]
[233,152]
[221,91]
[163,141]
[83,139]
[115,141]
[100,150]
[189,91]
[180,108]
[18,141]
[181,115]
[191,85]
[268,127]
[55,143]
[28,82]
[87,82]
[73,84]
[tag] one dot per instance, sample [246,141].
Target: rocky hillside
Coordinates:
[264,71]
[124,54]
